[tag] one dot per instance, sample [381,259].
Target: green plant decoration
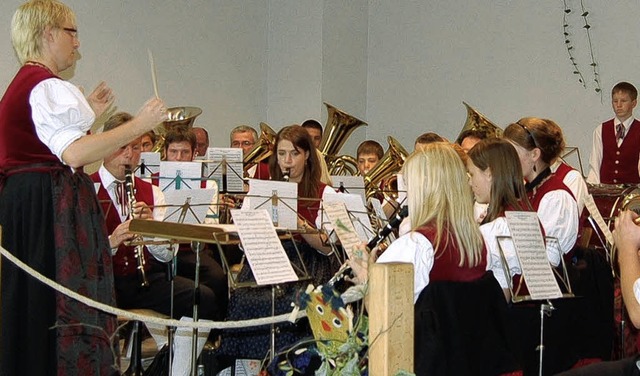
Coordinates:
[570,47]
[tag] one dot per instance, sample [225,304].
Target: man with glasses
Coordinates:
[245,138]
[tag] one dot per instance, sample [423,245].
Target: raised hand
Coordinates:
[101,99]
[152,113]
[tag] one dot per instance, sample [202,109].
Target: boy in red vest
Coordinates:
[614,156]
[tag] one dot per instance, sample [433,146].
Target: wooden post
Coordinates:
[390,318]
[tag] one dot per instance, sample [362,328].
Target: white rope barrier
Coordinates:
[350,296]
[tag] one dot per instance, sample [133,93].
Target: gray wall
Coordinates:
[403,66]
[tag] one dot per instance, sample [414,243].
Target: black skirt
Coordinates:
[51,220]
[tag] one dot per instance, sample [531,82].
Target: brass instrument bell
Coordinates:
[390,164]
[262,149]
[477,121]
[183,116]
[337,130]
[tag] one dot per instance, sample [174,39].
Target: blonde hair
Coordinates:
[439,195]
[30,21]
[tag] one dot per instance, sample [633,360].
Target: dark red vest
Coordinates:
[19,143]
[262,171]
[308,209]
[124,261]
[553,183]
[620,164]
[447,259]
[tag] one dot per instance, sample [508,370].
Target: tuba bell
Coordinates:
[390,164]
[479,122]
[262,149]
[339,127]
[178,117]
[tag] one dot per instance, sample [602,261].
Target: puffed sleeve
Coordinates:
[490,231]
[558,213]
[416,249]
[60,113]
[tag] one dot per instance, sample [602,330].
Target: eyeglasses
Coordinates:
[535,143]
[73,32]
[236,144]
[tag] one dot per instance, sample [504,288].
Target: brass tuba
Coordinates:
[339,127]
[479,122]
[390,164]
[630,202]
[178,117]
[262,149]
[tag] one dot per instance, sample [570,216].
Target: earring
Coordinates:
[534,168]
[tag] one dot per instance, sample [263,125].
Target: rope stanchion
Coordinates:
[353,296]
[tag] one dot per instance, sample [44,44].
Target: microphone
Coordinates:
[386,230]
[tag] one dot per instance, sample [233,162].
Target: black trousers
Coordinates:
[157,296]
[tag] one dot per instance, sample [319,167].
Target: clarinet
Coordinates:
[345,269]
[139,248]
[386,230]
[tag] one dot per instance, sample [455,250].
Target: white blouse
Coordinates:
[490,231]
[61,114]
[416,249]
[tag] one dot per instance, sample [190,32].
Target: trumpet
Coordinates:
[139,247]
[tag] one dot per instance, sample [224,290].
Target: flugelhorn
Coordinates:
[339,127]
[477,121]
[262,149]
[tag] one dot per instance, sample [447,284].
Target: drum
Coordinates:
[609,199]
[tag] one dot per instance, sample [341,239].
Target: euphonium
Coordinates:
[262,149]
[139,248]
[390,164]
[339,127]
[178,117]
[477,121]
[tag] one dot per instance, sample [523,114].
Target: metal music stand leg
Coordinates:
[273,325]
[172,329]
[545,310]
[196,247]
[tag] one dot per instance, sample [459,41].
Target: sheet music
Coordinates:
[590,204]
[180,175]
[267,258]
[358,213]
[530,247]
[182,348]
[225,162]
[192,205]
[351,184]
[284,212]
[341,222]
[149,164]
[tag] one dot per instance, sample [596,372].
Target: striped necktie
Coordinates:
[620,131]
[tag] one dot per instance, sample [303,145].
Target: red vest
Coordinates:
[447,259]
[308,209]
[124,261]
[553,183]
[620,164]
[262,171]
[19,143]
